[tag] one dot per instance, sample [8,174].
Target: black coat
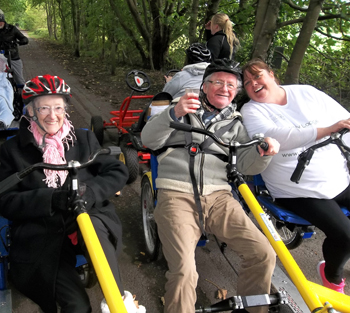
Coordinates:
[218,45]
[38,232]
[10,36]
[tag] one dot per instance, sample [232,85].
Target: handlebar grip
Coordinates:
[114,150]
[303,161]
[9,182]
[298,172]
[181,126]
[264,145]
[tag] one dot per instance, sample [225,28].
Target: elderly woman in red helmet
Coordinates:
[44,233]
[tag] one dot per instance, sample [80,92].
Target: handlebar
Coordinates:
[305,157]
[258,139]
[15,178]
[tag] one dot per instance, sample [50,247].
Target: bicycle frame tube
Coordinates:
[314,295]
[103,271]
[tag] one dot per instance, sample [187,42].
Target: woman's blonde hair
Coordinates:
[225,24]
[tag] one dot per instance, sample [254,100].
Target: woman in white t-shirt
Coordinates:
[298,116]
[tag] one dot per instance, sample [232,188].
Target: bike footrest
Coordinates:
[242,302]
[307,232]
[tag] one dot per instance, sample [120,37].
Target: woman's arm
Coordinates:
[256,121]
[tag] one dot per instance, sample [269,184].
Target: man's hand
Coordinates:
[188,103]
[273,149]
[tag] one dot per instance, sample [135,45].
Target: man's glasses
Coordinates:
[220,84]
[47,110]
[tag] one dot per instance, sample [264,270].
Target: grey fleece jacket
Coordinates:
[191,76]
[210,171]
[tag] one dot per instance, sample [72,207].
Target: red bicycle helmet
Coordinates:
[43,86]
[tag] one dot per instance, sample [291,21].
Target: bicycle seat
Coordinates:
[263,196]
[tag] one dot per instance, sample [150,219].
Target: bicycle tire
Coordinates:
[130,158]
[292,239]
[152,241]
[97,128]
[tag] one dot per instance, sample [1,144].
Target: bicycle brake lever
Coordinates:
[303,161]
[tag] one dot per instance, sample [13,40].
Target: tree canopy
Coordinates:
[308,40]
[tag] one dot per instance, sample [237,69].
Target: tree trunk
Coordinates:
[160,35]
[192,27]
[265,27]
[303,41]
[130,33]
[54,21]
[48,18]
[75,22]
[62,15]
[113,58]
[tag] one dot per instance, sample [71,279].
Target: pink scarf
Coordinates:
[53,150]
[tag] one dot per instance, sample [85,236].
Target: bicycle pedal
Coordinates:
[307,232]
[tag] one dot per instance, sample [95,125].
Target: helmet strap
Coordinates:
[206,104]
[43,144]
[36,120]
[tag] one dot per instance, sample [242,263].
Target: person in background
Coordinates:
[10,38]
[191,76]
[184,212]
[7,96]
[45,236]
[221,40]
[299,116]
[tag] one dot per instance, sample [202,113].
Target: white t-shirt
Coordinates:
[294,126]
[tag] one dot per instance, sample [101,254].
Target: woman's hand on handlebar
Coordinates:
[273,147]
[188,103]
[327,131]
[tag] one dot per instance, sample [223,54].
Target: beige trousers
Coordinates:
[178,227]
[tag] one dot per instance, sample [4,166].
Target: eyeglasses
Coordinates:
[220,84]
[47,110]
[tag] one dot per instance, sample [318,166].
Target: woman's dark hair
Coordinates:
[254,67]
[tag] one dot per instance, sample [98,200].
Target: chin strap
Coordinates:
[207,106]
[35,119]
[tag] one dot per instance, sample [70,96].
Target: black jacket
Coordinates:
[10,38]
[218,45]
[39,233]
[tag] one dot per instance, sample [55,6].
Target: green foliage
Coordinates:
[325,65]
[11,8]
[34,19]
[39,33]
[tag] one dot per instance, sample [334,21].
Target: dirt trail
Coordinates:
[84,102]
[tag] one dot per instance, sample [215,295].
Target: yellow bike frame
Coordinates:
[103,271]
[317,298]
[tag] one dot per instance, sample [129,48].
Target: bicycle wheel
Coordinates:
[97,128]
[130,158]
[292,239]
[152,242]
